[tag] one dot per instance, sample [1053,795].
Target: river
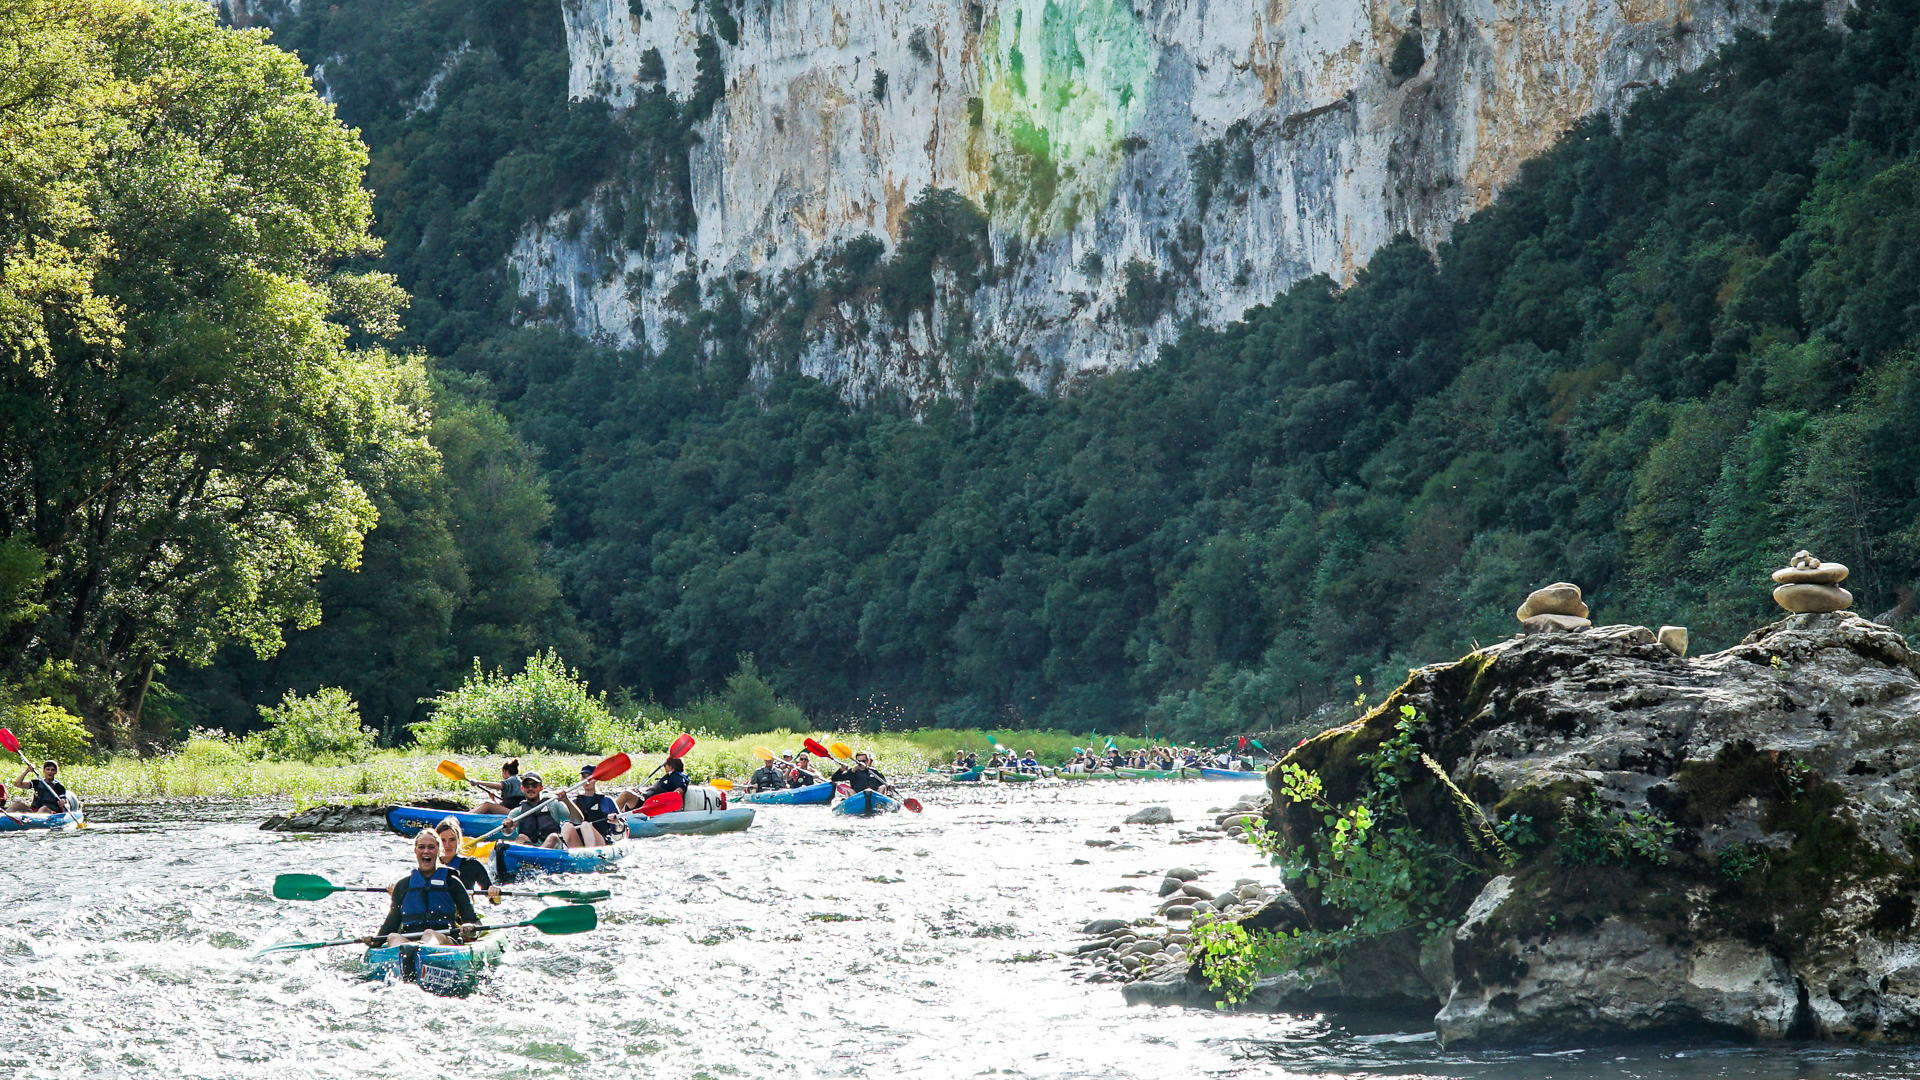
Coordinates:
[810,945]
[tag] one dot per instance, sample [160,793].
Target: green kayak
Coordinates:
[1151,774]
[1016,777]
[1103,774]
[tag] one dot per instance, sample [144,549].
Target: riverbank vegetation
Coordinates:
[251,449]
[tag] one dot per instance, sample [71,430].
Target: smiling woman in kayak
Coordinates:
[430,901]
[471,871]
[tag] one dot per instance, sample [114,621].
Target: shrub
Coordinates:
[322,728]
[546,706]
[46,730]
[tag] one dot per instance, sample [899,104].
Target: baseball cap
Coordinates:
[532,778]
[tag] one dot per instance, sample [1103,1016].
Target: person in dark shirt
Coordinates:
[472,871]
[597,817]
[507,793]
[429,902]
[862,776]
[803,774]
[49,794]
[674,781]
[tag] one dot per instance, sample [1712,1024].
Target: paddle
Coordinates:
[664,803]
[553,920]
[315,887]
[677,748]
[453,771]
[766,755]
[843,754]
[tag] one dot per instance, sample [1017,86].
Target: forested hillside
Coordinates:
[1679,348]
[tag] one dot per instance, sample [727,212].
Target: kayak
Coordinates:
[1103,774]
[1150,774]
[450,970]
[407,820]
[970,776]
[821,793]
[1229,774]
[510,860]
[866,804]
[24,822]
[691,822]
[1017,777]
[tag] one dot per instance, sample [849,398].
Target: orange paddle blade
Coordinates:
[451,770]
[617,765]
[763,753]
[841,750]
[721,783]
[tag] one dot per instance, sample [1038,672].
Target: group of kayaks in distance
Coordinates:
[432,933]
[1088,763]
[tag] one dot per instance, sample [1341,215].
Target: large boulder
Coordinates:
[1724,843]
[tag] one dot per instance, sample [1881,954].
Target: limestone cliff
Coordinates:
[1141,163]
[1724,843]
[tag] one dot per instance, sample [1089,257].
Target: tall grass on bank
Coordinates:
[212,766]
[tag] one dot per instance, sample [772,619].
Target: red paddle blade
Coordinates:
[7,740]
[680,746]
[664,803]
[614,766]
[912,804]
[816,749]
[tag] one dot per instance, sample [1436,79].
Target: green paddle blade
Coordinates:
[303,946]
[578,896]
[302,887]
[565,920]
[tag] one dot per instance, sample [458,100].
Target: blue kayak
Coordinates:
[1229,774]
[970,776]
[867,804]
[24,822]
[821,793]
[407,820]
[452,970]
[511,860]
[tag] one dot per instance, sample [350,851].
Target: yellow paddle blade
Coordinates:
[721,783]
[451,770]
[476,851]
[841,750]
[763,753]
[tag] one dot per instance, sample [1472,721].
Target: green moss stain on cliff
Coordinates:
[1063,82]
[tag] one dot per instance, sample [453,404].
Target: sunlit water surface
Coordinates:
[810,945]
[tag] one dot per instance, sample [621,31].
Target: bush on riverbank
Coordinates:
[323,728]
[546,706]
[46,730]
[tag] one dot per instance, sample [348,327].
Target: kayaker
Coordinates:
[674,780]
[472,871]
[862,776]
[599,816]
[49,794]
[803,772]
[769,777]
[1029,762]
[508,794]
[539,828]
[429,901]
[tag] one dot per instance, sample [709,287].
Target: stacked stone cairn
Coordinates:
[1809,586]
[1556,609]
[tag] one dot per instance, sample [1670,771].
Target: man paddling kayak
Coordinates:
[49,795]
[862,776]
[768,777]
[539,828]
[431,901]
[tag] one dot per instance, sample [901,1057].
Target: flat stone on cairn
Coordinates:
[1554,609]
[1809,586]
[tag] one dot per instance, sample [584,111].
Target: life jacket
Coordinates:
[428,904]
[47,797]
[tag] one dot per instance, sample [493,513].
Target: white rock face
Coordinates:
[1088,127]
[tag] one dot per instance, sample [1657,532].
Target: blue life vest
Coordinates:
[428,904]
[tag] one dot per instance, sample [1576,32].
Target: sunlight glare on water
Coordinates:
[810,945]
